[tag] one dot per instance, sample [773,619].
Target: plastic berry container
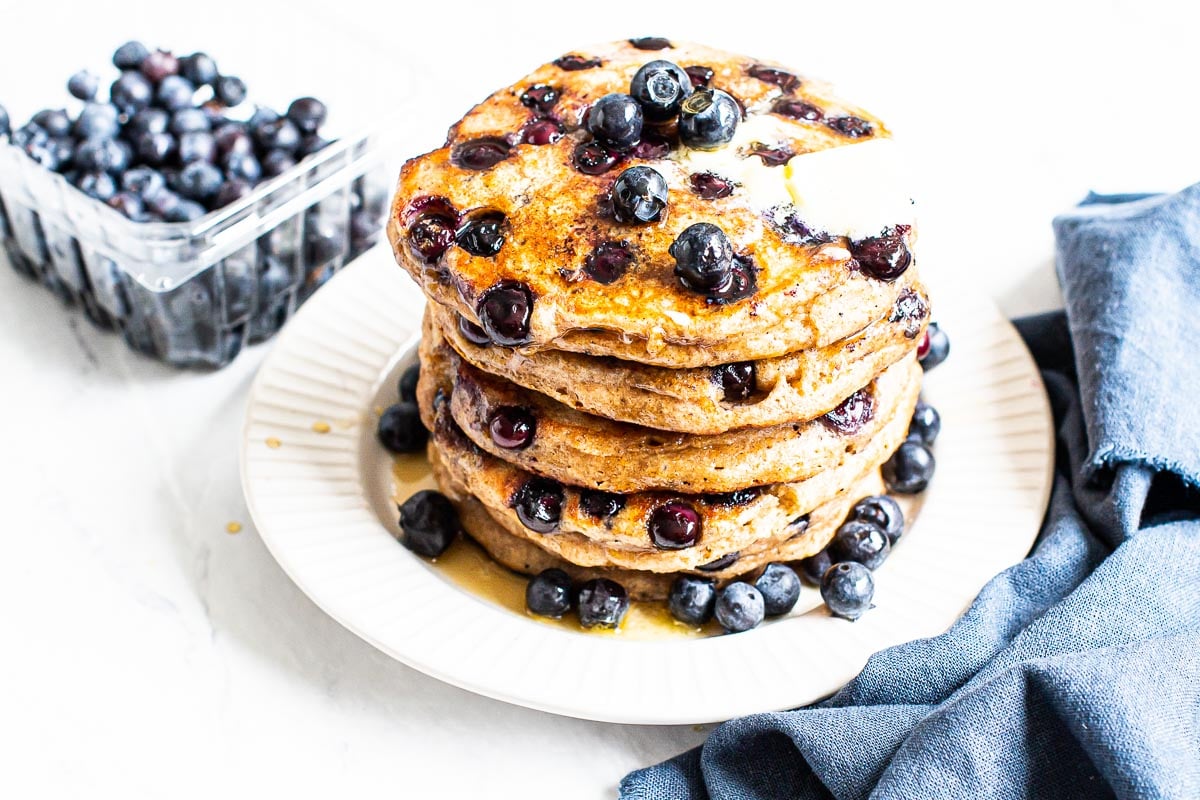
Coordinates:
[192,294]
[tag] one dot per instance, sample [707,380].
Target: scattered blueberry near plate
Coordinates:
[910,468]
[428,523]
[602,603]
[847,589]
[861,541]
[548,594]
[692,599]
[400,429]
[926,424]
[780,588]
[739,607]
[408,383]
[883,512]
[934,347]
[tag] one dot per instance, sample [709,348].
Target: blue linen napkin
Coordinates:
[1076,673]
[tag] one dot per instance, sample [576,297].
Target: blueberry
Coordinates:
[400,429]
[29,134]
[813,567]
[131,92]
[232,137]
[311,143]
[910,468]
[230,90]
[543,130]
[639,195]
[408,383]
[44,154]
[548,594]
[718,564]
[703,258]
[97,121]
[5,124]
[651,43]
[538,503]
[709,186]
[184,211]
[432,234]
[797,109]
[885,256]
[200,181]
[482,234]
[573,62]
[242,166]
[739,607]
[737,381]
[708,119]
[784,80]
[602,603]
[307,113]
[428,523]
[861,541]
[279,134]
[674,525]
[98,185]
[262,115]
[128,203]
[512,427]
[175,92]
[699,75]
[198,146]
[934,347]
[130,55]
[600,505]
[926,424]
[651,147]
[608,262]
[198,68]
[692,599]
[540,97]
[883,512]
[163,202]
[594,158]
[850,127]
[155,148]
[277,162]
[480,154]
[505,310]
[101,155]
[851,414]
[231,191]
[54,122]
[616,121]
[159,65]
[472,332]
[660,87]
[780,589]
[64,152]
[148,120]
[847,589]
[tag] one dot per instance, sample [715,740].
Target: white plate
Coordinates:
[321,502]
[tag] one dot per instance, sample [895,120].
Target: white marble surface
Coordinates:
[149,653]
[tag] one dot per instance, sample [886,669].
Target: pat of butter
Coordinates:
[855,190]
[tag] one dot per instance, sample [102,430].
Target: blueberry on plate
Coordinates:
[639,195]
[660,87]
[400,429]
[703,258]
[428,523]
[883,512]
[910,468]
[708,119]
[934,347]
[548,594]
[780,589]
[408,383]
[861,541]
[739,607]
[602,603]
[926,424]
[813,567]
[847,589]
[616,121]
[692,599]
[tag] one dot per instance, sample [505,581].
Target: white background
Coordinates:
[148,653]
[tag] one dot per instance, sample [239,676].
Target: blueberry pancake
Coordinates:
[545,437]
[684,208]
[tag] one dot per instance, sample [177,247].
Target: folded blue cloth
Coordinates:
[1076,673]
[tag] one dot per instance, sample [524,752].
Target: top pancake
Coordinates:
[810,291]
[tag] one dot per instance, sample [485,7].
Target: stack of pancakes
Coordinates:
[591,412]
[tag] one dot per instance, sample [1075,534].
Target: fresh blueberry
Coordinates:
[198,68]
[64,152]
[162,201]
[861,541]
[813,567]
[97,121]
[155,148]
[926,424]
[44,154]
[277,162]
[718,564]
[482,234]
[934,347]
[542,130]
[505,310]
[98,185]
[708,119]
[231,191]
[692,599]
[851,414]
[159,65]
[242,166]
[739,607]
[616,121]
[100,155]
[639,195]
[198,146]
[594,158]
[850,127]
[400,429]
[5,123]
[602,603]
[910,468]
[148,120]
[548,593]
[480,154]
[885,256]
[674,525]
[600,505]
[780,589]
[200,181]
[54,122]
[128,203]
[311,143]
[184,211]
[130,55]
[660,87]
[428,523]
[538,503]
[883,512]
[847,589]
[709,186]
[307,113]
[232,137]
[608,262]
[703,258]
[280,134]
[175,92]
[28,134]
[512,427]
[408,383]
[131,91]
[737,381]
[230,90]
[540,97]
